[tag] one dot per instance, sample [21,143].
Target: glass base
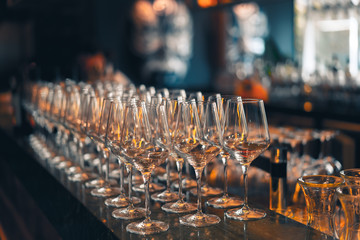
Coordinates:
[82,177]
[165,196]
[147,227]
[154,187]
[285,212]
[105,191]
[179,207]
[199,220]
[64,165]
[45,154]
[129,213]
[187,183]
[115,173]
[245,214]
[73,170]
[207,191]
[121,201]
[89,157]
[99,182]
[224,202]
[56,160]
[173,176]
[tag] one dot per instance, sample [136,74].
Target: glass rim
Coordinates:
[239,99]
[223,96]
[250,100]
[132,103]
[339,189]
[353,170]
[338,181]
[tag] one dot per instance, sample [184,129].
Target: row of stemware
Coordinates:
[143,128]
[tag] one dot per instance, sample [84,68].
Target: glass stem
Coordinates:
[245,230]
[198,173]
[107,166]
[67,146]
[168,175]
[245,170]
[225,177]
[179,165]
[81,157]
[205,176]
[102,154]
[187,169]
[121,176]
[146,178]
[129,170]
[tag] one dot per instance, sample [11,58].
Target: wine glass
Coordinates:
[71,111]
[93,122]
[173,111]
[143,142]
[146,95]
[113,139]
[187,181]
[167,195]
[54,116]
[192,144]
[75,114]
[91,127]
[100,138]
[113,130]
[77,123]
[225,201]
[63,133]
[246,136]
[206,189]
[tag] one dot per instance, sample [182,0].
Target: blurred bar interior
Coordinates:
[300,56]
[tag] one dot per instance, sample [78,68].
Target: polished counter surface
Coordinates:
[70,212]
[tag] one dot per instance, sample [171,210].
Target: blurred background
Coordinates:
[300,56]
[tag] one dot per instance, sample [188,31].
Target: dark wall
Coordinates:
[281,23]
[63,30]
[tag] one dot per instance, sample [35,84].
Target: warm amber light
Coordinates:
[207,3]
[308,106]
[166,7]
[307,89]
[225,1]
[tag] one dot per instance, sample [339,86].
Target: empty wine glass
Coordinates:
[100,138]
[225,201]
[206,189]
[167,195]
[92,131]
[75,114]
[54,115]
[351,176]
[113,141]
[246,136]
[130,212]
[173,111]
[143,143]
[187,181]
[192,144]
[71,112]
[63,133]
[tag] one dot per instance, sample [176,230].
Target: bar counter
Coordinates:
[39,203]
